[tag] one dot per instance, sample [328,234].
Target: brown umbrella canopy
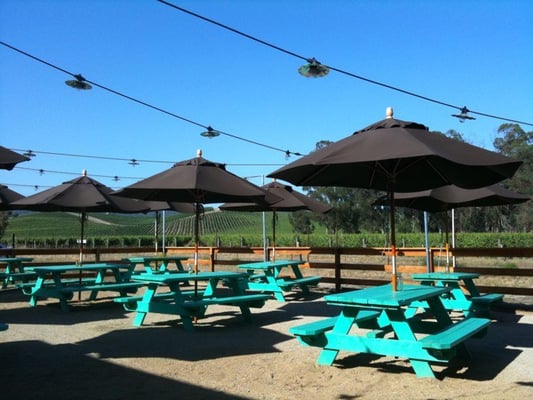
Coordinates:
[194,181]
[450,196]
[283,198]
[82,194]
[8,158]
[8,196]
[398,156]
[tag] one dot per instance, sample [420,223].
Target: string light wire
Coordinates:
[341,71]
[143,103]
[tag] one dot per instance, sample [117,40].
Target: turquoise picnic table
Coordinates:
[157,263]
[57,282]
[464,295]
[266,276]
[14,270]
[374,321]
[165,294]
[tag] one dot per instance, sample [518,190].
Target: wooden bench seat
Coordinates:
[19,275]
[487,298]
[120,286]
[307,281]
[312,333]
[455,334]
[130,302]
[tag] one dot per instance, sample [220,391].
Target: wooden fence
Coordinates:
[502,270]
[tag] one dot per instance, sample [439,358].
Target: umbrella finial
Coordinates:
[199,153]
[84,172]
[389,112]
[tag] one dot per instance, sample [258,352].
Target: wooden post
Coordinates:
[337,261]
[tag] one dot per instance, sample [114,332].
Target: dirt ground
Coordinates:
[94,352]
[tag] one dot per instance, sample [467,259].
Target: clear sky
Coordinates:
[470,53]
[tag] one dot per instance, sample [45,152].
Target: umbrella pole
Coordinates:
[80,262]
[273,235]
[447,245]
[393,240]
[196,240]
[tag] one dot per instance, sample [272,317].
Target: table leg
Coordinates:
[342,326]
[403,331]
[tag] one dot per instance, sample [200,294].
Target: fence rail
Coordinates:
[510,270]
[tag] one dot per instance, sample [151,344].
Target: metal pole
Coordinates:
[163,239]
[265,242]
[453,236]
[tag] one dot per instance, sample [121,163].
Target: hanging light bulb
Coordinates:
[29,153]
[313,69]
[78,83]
[463,115]
[133,162]
[210,133]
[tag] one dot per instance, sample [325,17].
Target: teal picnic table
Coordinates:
[384,329]
[14,270]
[157,263]
[57,282]
[164,294]
[266,276]
[464,295]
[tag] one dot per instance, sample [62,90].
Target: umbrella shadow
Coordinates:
[81,376]
[207,342]
[51,313]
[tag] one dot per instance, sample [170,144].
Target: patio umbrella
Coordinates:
[83,195]
[290,200]
[398,156]
[197,181]
[8,196]
[8,158]
[450,197]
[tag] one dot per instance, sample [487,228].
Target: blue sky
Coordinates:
[465,53]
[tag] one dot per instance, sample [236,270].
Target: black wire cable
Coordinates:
[81,78]
[407,92]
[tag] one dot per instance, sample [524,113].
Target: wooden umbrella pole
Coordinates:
[393,240]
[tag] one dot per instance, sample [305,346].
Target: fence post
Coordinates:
[212,258]
[337,261]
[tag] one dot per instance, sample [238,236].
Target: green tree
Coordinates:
[301,222]
[517,143]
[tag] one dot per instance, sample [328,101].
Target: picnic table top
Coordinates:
[166,277]
[74,267]
[384,296]
[445,276]
[270,264]
[142,259]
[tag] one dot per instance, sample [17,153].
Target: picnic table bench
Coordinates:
[421,341]
[51,282]
[189,304]
[266,276]
[464,295]
[14,270]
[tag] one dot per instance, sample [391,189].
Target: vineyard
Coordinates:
[217,228]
